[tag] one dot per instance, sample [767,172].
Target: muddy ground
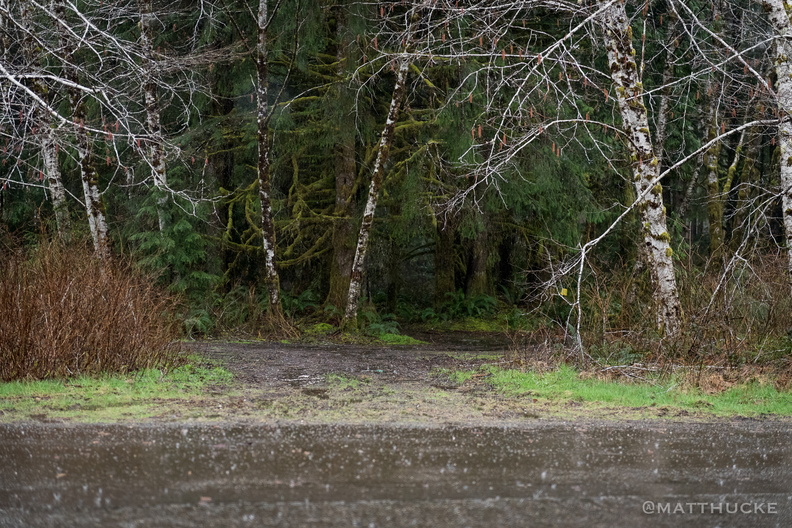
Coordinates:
[330,383]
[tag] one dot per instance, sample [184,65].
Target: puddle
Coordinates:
[546,474]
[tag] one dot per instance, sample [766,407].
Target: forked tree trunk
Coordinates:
[94,205]
[267,223]
[155,152]
[779,13]
[383,149]
[645,167]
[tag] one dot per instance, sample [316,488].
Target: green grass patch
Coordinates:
[343,382]
[109,397]
[460,377]
[749,399]
[399,339]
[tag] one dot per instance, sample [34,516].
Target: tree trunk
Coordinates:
[779,18]
[47,139]
[477,280]
[343,230]
[263,114]
[444,261]
[358,266]
[748,173]
[629,94]
[155,153]
[52,173]
[94,205]
[661,130]
[712,166]
[345,175]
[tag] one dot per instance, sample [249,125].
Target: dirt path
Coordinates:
[358,384]
[362,384]
[276,364]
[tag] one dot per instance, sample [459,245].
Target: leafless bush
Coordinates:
[64,313]
[732,318]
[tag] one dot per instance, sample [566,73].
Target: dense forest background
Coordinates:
[611,175]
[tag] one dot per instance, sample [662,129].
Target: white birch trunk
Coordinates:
[46,134]
[52,173]
[267,223]
[646,167]
[154,150]
[779,13]
[383,149]
[94,206]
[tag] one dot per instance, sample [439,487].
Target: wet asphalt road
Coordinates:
[542,474]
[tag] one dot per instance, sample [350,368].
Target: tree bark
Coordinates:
[661,130]
[52,173]
[779,13]
[712,166]
[358,266]
[46,134]
[94,205]
[478,281]
[155,152]
[345,176]
[444,282]
[272,278]
[645,166]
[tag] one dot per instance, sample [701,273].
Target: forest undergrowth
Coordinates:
[64,313]
[736,328]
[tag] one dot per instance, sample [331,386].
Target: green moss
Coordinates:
[399,339]
[320,329]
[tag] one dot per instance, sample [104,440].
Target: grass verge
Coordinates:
[754,398]
[142,394]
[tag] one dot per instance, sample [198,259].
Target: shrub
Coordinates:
[63,313]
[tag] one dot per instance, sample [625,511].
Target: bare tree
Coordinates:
[263,115]
[94,204]
[377,175]
[44,126]
[780,20]
[645,165]
[401,65]
[155,152]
